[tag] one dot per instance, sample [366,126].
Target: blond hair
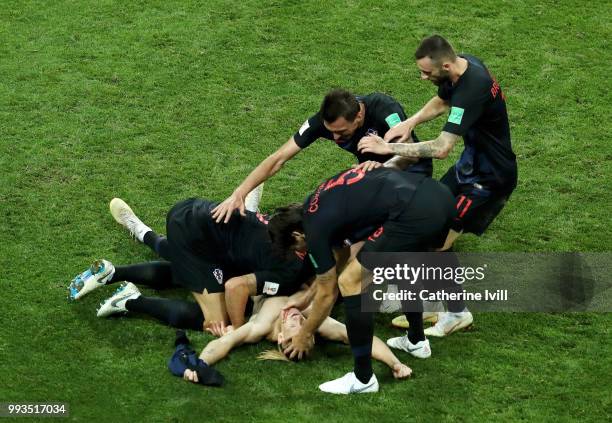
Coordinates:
[273,354]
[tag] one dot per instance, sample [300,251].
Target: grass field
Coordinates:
[155,102]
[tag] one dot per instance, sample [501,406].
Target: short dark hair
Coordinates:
[436,48]
[339,103]
[281,225]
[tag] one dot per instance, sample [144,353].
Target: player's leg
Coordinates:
[450,180]
[156,275]
[212,306]
[360,331]
[176,313]
[125,216]
[432,197]
[394,237]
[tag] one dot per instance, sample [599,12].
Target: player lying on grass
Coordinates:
[271,322]
[222,265]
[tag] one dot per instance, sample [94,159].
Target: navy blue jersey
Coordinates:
[350,205]
[242,246]
[478,114]
[381,113]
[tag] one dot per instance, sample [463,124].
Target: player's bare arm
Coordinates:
[237,293]
[267,168]
[251,332]
[432,109]
[437,149]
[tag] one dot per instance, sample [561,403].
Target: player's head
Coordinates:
[286,230]
[434,57]
[288,325]
[291,323]
[342,114]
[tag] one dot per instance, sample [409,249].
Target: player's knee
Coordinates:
[349,283]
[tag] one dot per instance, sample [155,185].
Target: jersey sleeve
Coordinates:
[311,130]
[466,108]
[320,249]
[393,114]
[279,281]
[281,275]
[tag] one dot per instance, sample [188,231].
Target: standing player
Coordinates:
[486,173]
[221,265]
[413,212]
[343,118]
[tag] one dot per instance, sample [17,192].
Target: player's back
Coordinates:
[356,199]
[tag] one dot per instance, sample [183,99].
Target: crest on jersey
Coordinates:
[218,274]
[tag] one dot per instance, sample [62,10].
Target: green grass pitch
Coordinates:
[158,101]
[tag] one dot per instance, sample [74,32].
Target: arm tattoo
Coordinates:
[435,148]
[421,149]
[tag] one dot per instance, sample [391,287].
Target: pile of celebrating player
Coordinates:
[285,270]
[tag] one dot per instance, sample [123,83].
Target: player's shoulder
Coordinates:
[378,99]
[477,73]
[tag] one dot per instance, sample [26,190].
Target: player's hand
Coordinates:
[373,144]
[367,166]
[223,212]
[190,375]
[401,371]
[218,328]
[300,346]
[300,301]
[400,132]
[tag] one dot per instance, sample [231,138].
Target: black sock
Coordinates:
[360,330]
[450,259]
[155,274]
[177,313]
[158,243]
[413,310]
[415,327]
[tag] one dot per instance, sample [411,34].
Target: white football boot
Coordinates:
[100,272]
[124,215]
[251,202]
[419,350]
[116,303]
[449,323]
[349,384]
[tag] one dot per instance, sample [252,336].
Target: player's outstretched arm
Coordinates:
[251,332]
[431,110]
[437,149]
[219,348]
[261,173]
